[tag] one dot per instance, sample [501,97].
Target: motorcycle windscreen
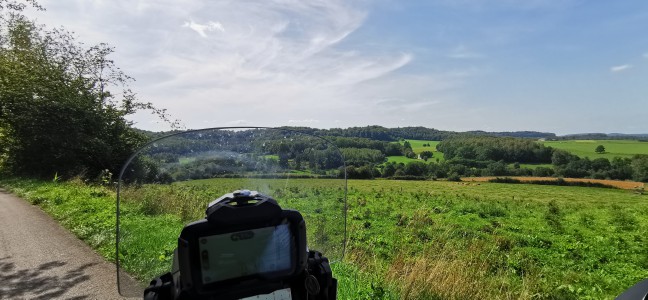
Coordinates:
[170,181]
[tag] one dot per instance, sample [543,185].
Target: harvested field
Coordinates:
[627,185]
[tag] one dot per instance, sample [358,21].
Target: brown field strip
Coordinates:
[627,185]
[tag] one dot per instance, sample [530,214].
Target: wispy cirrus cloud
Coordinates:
[270,58]
[620,68]
[283,58]
[202,29]
[261,62]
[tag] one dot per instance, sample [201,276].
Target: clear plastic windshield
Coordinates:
[169,183]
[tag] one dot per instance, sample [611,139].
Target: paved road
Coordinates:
[41,260]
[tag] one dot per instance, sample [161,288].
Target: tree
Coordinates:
[62,105]
[600,149]
[601,164]
[621,168]
[562,157]
[416,168]
[389,169]
[362,156]
[283,155]
[640,167]
[410,154]
[393,149]
[425,155]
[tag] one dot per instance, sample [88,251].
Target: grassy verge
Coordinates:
[147,248]
[89,213]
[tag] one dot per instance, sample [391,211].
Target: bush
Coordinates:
[543,172]
[454,177]
[408,177]
[558,181]
[505,180]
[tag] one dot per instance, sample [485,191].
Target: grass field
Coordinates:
[401,159]
[613,148]
[582,148]
[407,239]
[417,147]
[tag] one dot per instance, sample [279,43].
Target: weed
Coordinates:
[554,216]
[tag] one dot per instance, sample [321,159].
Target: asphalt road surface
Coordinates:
[39,259]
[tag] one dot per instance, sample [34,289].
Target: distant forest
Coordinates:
[430,134]
[365,151]
[380,133]
[604,136]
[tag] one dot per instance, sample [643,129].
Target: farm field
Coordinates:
[613,148]
[582,148]
[402,159]
[407,239]
[626,185]
[417,147]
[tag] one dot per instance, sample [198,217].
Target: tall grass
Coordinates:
[407,240]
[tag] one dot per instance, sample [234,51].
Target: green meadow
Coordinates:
[582,148]
[417,147]
[613,148]
[402,159]
[406,239]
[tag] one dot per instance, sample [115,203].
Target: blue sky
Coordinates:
[499,65]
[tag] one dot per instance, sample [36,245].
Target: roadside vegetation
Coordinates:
[408,239]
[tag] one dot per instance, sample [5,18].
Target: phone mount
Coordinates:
[246,246]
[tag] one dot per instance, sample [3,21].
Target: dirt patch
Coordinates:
[626,185]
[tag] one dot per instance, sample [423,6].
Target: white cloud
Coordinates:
[616,69]
[645,55]
[202,28]
[257,62]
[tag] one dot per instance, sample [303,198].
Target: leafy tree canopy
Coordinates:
[62,104]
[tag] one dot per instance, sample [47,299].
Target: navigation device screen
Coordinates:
[242,253]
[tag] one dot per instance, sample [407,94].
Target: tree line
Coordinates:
[502,156]
[507,149]
[635,168]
